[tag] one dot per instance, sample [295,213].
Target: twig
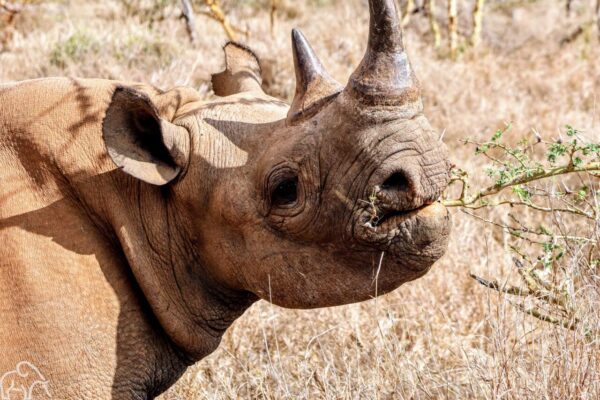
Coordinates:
[514,203]
[511,290]
[520,232]
[467,200]
[217,13]
[187,13]
[571,325]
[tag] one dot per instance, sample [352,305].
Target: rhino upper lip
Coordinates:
[388,216]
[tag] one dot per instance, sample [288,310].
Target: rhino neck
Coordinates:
[192,309]
[186,309]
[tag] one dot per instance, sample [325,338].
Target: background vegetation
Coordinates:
[518,103]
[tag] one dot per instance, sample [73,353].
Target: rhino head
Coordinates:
[331,200]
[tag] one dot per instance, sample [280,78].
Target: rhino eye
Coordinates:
[285,193]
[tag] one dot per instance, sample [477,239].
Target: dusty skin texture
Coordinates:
[125,276]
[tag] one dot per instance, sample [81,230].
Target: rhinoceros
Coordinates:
[138,224]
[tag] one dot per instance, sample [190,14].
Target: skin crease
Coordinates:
[139,224]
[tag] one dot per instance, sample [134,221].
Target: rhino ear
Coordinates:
[242,71]
[141,143]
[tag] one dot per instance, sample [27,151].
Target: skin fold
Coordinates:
[138,224]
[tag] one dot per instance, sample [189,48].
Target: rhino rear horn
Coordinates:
[385,76]
[314,86]
[242,71]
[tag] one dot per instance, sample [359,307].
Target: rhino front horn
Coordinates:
[314,86]
[385,76]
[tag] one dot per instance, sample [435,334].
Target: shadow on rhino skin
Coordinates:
[115,268]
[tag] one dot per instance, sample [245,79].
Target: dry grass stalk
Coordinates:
[10,12]
[543,292]
[597,16]
[408,10]
[187,13]
[477,22]
[442,336]
[568,7]
[433,25]
[10,7]
[452,28]
[273,14]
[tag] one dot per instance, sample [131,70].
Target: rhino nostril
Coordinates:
[397,182]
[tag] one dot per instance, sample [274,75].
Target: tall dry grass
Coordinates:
[442,336]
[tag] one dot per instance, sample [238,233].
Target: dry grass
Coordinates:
[442,336]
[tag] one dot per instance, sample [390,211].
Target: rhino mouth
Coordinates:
[416,237]
[380,220]
[392,218]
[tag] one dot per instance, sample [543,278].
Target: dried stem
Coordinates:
[452,28]
[273,15]
[534,312]
[435,28]
[494,285]
[597,16]
[534,290]
[477,22]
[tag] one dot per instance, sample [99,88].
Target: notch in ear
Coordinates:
[242,71]
[141,143]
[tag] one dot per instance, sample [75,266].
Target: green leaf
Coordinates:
[497,135]
[582,193]
[555,151]
[482,149]
[522,192]
[571,131]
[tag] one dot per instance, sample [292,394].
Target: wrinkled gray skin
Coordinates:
[215,205]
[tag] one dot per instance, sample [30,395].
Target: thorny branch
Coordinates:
[523,171]
[546,279]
